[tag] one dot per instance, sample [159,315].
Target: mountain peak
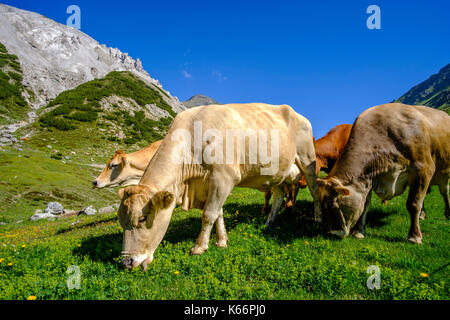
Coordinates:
[199,100]
[56,58]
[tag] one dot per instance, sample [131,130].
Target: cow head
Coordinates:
[144,216]
[342,206]
[118,172]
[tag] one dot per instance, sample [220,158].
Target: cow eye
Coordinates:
[113,166]
[143,219]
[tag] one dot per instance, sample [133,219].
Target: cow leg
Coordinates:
[311,180]
[293,192]
[359,230]
[444,189]
[423,214]
[221,231]
[417,193]
[278,196]
[288,194]
[265,209]
[217,194]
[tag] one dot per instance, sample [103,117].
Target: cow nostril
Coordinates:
[94,183]
[127,262]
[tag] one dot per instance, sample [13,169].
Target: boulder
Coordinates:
[89,211]
[54,208]
[106,210]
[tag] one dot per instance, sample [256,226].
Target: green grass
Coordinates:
[294,259]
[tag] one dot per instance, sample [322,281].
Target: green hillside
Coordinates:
[68,145]
[13,106]
[72,110]
[433,92]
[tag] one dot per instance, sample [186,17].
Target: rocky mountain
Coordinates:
[433,92]
[199,100]
[55,58]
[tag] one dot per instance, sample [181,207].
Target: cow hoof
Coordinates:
[221,244]
[415,240]
[358,235]
[196,251]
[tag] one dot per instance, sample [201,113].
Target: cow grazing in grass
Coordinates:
[328,148]
[126,169]
[146,209]
[391,147]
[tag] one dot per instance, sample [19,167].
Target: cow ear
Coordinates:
[162,200]
[343,191]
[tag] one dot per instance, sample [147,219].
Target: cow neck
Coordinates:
[163,174]
[349,170]
[139,159]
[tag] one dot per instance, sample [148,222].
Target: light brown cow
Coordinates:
[391,147]
[145,211]
[126,169]
[328,149]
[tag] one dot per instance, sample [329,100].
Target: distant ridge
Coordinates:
[199,100]
[433,92]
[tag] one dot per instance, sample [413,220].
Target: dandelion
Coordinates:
[31,298]
[79,245]
[424,275]
[307,243]
[10,264]
[176,273]
[1,260]
[23,246]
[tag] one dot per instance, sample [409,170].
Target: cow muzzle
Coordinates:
[134,261]
[340,233]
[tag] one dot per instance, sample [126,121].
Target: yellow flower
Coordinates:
[1,260]
[10,264]
[79,245]
[307,243]
[176,273]
[424,275]
[23,246]
[31,298]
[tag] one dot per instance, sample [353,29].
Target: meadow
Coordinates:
[293,259]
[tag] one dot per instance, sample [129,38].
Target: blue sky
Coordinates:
[317,56]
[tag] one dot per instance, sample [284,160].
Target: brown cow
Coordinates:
[126,169]
[391,147]
[328,149]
